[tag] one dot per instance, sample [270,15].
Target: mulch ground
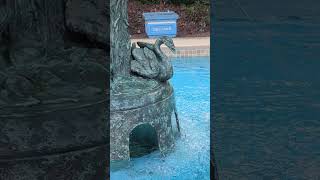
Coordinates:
[194,21]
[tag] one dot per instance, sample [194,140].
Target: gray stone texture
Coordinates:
[152,103]
[149,61]
[136,99]
[53,99]
[120,38]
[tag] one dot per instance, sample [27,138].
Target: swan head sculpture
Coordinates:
[168,42]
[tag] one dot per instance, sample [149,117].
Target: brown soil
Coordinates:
[193,19]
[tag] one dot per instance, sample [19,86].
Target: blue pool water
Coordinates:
[266,96]
[190,159]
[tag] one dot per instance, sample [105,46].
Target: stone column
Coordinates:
[120,38]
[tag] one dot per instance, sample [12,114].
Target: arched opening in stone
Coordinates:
[143,140]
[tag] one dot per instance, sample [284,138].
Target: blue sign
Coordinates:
[161,24]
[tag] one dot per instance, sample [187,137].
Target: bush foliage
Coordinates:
[194,15]
[187,2]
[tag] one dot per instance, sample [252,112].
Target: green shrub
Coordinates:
[149,1]
[199,12]
[187,2]
[182,1]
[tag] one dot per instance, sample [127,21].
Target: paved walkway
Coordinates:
[184,42]
[187,46]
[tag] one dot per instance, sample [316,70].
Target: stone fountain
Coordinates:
[53,99]
[140,90]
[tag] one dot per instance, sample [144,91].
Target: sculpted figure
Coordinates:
[149,61]
[46,51]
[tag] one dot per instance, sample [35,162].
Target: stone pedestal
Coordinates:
[54,141]
[136,101]
[53,81]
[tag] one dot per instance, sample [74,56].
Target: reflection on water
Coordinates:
[266,101]
[190,159]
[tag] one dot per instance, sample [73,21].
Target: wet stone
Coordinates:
[140,91]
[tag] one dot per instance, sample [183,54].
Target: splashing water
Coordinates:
[191,156]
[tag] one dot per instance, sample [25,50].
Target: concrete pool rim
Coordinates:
[185,46]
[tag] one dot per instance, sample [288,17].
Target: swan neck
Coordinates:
[158,50]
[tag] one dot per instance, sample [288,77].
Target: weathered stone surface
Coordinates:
[43,60]
[89,17]
[150,62]
[151,102]
[85,164]
[39,130]
[53,98]
[137,100]
[120,38]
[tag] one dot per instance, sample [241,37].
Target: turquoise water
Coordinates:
[191,157]
[266,100]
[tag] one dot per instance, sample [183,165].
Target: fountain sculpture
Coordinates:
[140,90]
[53,100]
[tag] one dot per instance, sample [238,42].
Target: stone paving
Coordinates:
[185,47]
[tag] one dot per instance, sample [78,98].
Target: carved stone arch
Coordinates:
[143,137]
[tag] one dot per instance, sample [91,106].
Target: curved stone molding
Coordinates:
[72,165]
[135,92]
[32,131]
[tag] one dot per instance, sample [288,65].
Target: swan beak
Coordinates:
[173,49]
